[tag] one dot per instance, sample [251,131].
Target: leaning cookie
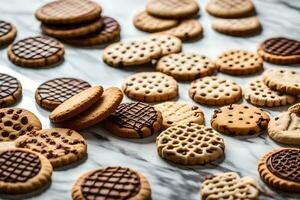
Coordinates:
[8,32]
[280,168]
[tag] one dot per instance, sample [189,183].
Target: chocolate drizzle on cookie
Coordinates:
[281,46]
[18,166]
[8,86]
[285,164]
[5,28]
[111,183]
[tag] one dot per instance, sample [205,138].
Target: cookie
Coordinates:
[15,122]
[68,12]
[285,128]
[131,53]
[134,120]
[108,103]
[8,32]
[172,9]
[52,93]
[149,23]
[282,80]
[76,104]
[109,32]
[23,171]
[150,87]
[237,27]
[112,183]
[257,93]
[60,146]
[175,113]
[280,168]
[295,109]
[10,90]
[169,44]
[72,30]
[214,91]
[230,8]
[229,185]
[186,66]
[280,50]
[189,29]
[239,62]
[34,52]
[190,144]
[238,119]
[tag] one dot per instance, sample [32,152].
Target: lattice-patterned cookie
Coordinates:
[15,122]
[190,144]
[237,119]
[282,80]
[172,8]
[257,93]
[134,120]
[280,168]
[150,87]
[230,8]
[131,53]
[186,66]
[40,51]
[68,12]
[8,32]
[168,43]
[60,146]
[212,90]
[239,62]
[112,183]
[229,186]
[23,171]
[10,90]
[175,113]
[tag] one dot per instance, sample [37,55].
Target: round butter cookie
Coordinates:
[10,90]
[8,32]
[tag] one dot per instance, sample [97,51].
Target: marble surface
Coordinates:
[168,181]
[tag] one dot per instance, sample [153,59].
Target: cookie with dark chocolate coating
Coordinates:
[10,90]
[8,32]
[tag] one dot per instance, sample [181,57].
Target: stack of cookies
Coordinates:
[174,17]
[77,22]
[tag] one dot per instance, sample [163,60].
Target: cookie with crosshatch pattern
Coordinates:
[23,171]
[8,32]
[112,183]
[34,52]
[10,90]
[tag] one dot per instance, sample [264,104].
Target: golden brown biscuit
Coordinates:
[10,90]
[8,32]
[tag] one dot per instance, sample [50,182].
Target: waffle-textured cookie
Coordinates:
[149,23]
[189,29]
[190,144]
[230,8]
[280,168]
[150,87]
[131,53]
[229,185]
[60,146]
[280,50]
[282,80]
[237,27]
[76,104]
[169,44]
[8,32]
[238,119]
[39,51]
[68,12]
[23,171]
[186,66]
[109,32]
[175,113]
[257,93]
[112,183]
[212,91]
[52,93]
[239,62]
[108,103]
[15,122]
[175,9]
[134,120]
[10,90]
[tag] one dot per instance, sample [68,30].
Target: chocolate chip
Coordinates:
[15,117]
[10,111]
[29,128]
[2,114]
[74,151]
[8,123]
[19,111]
[24,120]
[12,137]
[5,134]
[55,134]
[17,127]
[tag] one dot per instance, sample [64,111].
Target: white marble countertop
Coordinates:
[168,181]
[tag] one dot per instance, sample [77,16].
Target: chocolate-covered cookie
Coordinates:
[8,32]
[10,90]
